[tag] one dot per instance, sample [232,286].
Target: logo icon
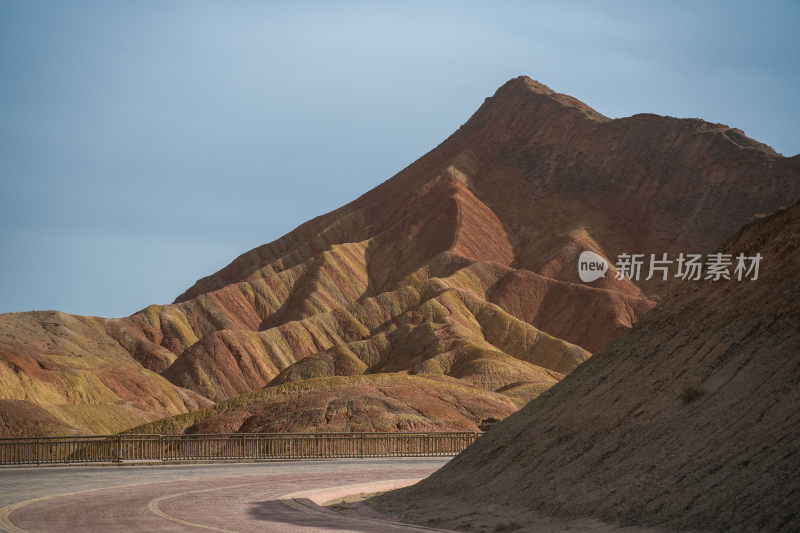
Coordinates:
[591,266]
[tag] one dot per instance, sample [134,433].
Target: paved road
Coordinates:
[183,498]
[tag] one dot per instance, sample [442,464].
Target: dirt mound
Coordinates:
[689,421]
[382,402]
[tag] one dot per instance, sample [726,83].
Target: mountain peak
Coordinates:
[526,84]
[523,87]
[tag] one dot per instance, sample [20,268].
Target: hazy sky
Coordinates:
[146,144]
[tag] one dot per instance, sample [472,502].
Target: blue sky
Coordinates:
[146,144]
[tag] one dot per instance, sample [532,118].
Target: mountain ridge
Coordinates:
[509,95]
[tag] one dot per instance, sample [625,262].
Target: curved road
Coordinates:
[197,498]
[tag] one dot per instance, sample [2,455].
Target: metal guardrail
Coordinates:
[226,447]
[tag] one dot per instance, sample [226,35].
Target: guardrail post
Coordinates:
[118,448]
